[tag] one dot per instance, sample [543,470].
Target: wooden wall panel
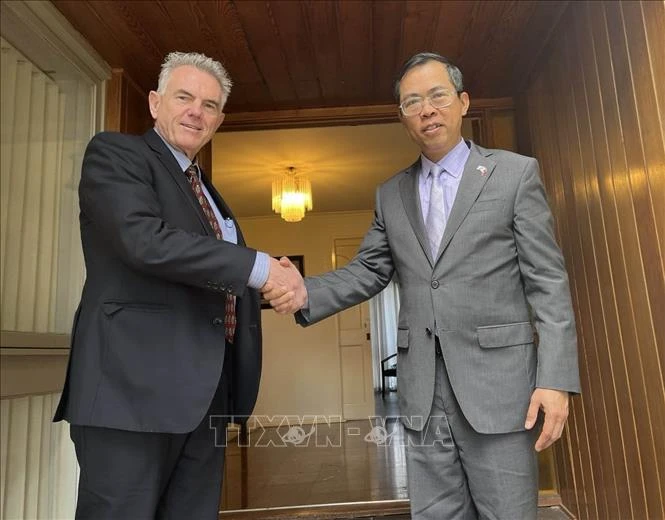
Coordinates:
[593,115]
[127,108]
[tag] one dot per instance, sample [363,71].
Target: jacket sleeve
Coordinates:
[363,277]
[546,285]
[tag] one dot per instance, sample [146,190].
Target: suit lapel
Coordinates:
[477,171]
[410,194]
[171,165]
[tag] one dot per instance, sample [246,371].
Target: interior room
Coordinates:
[577,85]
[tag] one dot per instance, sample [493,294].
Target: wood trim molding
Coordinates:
[32,363]
[336,116]
[40,27]
[491,104]
[10,339]
[45,37]
[324,511]
[350,510]
[33,351]
[114,90]
[308,117]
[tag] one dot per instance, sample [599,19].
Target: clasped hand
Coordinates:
[285,289]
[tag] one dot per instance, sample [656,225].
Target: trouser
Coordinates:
[456,473]
[139,476]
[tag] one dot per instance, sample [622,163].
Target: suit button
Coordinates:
[218,322]
[435,284]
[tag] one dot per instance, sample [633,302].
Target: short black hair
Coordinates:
[423,57]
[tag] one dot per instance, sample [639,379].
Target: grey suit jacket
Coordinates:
[498,276]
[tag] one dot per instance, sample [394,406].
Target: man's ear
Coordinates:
[464,97]
[220,120]
[154,99]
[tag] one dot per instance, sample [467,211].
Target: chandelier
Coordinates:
[291,195]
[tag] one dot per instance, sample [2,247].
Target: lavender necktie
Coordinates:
[436,214]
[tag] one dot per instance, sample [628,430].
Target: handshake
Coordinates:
[285,289]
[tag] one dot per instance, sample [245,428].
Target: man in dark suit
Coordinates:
[468,232]
[166,341]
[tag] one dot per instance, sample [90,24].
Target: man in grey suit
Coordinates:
[468,233]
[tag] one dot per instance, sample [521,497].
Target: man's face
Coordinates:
[435,131]
[189,112]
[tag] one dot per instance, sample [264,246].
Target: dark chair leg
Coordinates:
[383,388]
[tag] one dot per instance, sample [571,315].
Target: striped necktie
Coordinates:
[230,307]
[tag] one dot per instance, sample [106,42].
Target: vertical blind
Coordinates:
[42,271]
[46,119]
[39,470]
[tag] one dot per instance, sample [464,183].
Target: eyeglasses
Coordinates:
[414,106]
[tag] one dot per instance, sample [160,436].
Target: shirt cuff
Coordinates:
[259,275]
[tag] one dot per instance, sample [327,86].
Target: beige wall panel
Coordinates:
[45,282]
[8,65]
[29,245]
[15,222]
[301,366]
[58,178]
[39,467]
[36,269]
[4,448]
[15,462]
[353,381]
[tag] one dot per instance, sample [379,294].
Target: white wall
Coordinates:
[301,366]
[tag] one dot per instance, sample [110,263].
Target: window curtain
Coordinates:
[383,311]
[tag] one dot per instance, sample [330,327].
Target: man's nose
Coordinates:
[428,108]
[196,109]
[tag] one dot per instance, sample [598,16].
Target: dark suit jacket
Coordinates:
[148,337]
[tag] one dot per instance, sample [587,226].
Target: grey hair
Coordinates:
[423,57]
[201,62]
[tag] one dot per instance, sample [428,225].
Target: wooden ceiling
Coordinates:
[302,63]
[291,54]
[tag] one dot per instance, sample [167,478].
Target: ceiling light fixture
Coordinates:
[291,195]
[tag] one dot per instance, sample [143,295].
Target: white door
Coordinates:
[354,346]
